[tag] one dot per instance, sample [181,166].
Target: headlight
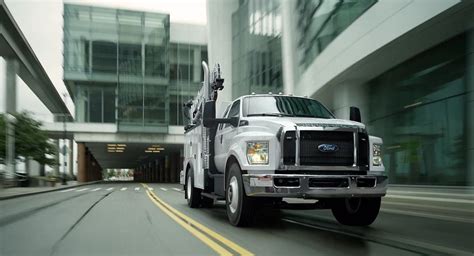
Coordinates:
[257,152]
[377,154]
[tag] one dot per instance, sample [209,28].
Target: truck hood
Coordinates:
[309,122]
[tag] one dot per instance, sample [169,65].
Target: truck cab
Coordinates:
[267,147]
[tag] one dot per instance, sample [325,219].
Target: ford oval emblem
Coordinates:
[328,148]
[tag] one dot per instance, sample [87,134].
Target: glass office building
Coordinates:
[320,21]
[256,48]
[420,109]
[120,67]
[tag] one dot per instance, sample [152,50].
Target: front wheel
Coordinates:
[356,211]
[239,206]
[193,195]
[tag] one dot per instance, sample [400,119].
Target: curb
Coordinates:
[47,191]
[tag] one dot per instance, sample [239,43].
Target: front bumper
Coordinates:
[263,185]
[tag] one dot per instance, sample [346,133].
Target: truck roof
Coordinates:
[270,94]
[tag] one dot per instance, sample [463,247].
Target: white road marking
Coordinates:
[177,189]
[428,215]
[84,189]
[123,189]
[164,189]
[149,188]
[394,192]
[67,190]
[451,209]
[136,189]
[434,199]
[95,189]
[109,189]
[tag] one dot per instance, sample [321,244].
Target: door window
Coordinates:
[234,111]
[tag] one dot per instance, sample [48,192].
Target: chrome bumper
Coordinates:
[262,185]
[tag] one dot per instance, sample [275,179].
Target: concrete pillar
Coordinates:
[167,168]
[58,150]
[162,169]
[150,167]
[71,158]
[81,162]
[470,107]
[288,46]
[173,167]
[12,68]
[42,171]
[157,170]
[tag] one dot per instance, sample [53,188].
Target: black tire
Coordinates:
[240,209]
[193,195]
[356,211]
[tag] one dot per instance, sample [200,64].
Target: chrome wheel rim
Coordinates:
[188,188]
[233,194]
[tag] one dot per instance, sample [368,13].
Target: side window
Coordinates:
[234,111]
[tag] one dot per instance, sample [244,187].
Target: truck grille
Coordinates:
[309,143]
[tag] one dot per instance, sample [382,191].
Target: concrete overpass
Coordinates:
[22,61]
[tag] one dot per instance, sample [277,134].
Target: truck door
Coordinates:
[224,137]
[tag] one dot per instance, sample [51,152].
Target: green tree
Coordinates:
[30,140]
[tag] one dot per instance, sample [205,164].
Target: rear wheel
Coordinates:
[193,194]
[356,211]
[239,206]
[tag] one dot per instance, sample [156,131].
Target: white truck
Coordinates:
[268,147]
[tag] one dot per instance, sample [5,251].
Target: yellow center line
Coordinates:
[213,245]
[194,224]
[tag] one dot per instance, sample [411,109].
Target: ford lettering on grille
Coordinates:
[328,148]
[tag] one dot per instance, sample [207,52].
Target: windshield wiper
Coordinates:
[306,115]
[270,114]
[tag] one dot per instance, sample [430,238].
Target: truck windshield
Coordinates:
[284,106]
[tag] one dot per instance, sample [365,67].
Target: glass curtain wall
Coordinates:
[119,58]
[321,21]
[143,96]
[420,110]
[186,76]
[256,48]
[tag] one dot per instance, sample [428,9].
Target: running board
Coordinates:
[212,196]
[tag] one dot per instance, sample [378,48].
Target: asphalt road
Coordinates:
[135,219]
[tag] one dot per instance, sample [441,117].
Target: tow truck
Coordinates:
[268,148]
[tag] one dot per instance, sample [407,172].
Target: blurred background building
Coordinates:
[128,73]
[408,65]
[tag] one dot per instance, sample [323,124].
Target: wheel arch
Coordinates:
[230,160]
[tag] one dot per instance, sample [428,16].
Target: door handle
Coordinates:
[221,138]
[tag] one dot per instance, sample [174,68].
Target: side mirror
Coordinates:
[209,114]
[234,121]
[209,117]
[354,114]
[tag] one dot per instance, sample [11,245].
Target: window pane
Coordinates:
[95,106]
[109,105]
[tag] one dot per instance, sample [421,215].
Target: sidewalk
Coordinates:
[437,202]
[7,193]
